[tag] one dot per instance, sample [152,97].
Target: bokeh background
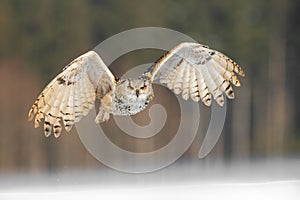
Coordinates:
[38,38]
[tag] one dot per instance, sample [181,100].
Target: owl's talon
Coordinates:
[102,116]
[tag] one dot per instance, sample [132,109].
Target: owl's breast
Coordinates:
[121,107]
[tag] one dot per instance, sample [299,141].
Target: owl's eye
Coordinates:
[129,87]
[144,87]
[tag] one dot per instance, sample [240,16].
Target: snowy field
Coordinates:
[272,179]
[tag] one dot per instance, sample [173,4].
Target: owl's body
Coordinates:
[190,69]
[130,97]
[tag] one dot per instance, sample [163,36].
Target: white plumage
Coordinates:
[190,69]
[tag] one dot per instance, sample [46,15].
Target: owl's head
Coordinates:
[134,89]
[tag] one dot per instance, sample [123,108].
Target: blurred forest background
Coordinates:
[39,37]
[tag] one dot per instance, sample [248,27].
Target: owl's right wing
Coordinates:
[197,72]
[71,94]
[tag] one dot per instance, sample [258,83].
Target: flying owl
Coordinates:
[190,69]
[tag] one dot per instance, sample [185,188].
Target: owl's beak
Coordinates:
[137,92]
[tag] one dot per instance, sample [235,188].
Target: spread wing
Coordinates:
[71,94]
[198,72]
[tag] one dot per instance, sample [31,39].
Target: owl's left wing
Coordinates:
[198,72]
[71,94]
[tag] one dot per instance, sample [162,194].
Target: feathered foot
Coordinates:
[102,116]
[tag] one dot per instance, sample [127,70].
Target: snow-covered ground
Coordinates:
[264,179]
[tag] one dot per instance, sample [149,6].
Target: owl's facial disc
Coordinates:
[136,89]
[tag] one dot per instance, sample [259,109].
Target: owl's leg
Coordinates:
[105,108]
[102,115]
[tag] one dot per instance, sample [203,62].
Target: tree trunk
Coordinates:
[276,115]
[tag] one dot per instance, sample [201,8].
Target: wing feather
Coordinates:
[186,81]
[198,72]
[71,94]
[69,116]
[193,87]
[217,81]
[177,84]
[205,96]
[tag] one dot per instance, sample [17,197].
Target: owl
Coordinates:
[193,70]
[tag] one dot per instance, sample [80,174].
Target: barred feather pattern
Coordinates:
[197,72]
[71,95]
